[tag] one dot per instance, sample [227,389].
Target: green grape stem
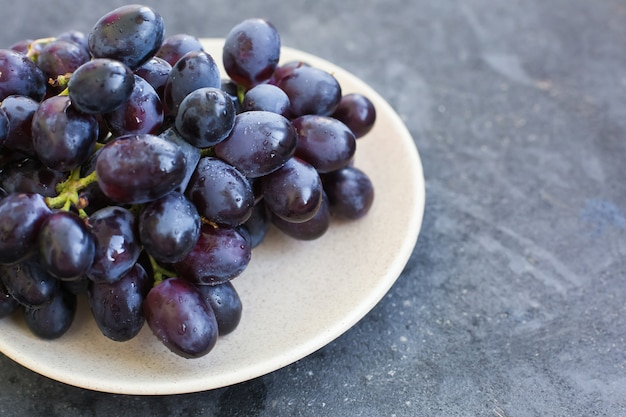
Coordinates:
[160,273]
[67,192]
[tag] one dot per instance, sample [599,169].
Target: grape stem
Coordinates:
[68,192]
[160,273]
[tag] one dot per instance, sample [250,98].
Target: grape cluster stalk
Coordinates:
[134,174]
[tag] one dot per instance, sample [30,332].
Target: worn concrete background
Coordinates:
[513,303]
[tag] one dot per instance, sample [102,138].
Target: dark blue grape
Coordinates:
[66,245]
[63,137]
[294,192]
[100,86]
[131,34]
[139,169]
[175,46]
[350,192]
[155,71]
[205,117]
[117,307]
[20,111]
[226,304]
[251,52]
[266,97]
[220,192]
[259,143]
[22,215]
[29,283]
[54,319]
[20,76]
[141,113]
[196,69]
[117,243]
[221,254]
[169,227]
[311,229]
[311,90]
[357,112]
[180,318]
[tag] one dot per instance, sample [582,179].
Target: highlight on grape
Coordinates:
[134,173]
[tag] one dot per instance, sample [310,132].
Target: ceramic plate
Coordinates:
[297,296]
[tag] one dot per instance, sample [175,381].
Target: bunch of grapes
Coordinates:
[135,174]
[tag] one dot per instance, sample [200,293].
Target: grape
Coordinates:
[221,254]
[190,152]
[310,229]
[22,215]
[251,52]
[324,142]
[30,176]
[100,86]
[61,57]
[225,303]
[266,97]
[205,117]
[52,320]
[258,224]
[8,304]
[178,315]
[195,69]
[350,192]
[117,307]
[259,143]
[141,113]
[76,36]
[155,71]
[175,46]
[66,245]
[169,227]
[357,112]
[294,192]
[116,242]
[19,110]
[29,283]
[63,137]
[163,168]
[220,192]
[311,90]
[131,34]
[20,76]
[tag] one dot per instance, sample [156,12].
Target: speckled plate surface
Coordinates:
[297,296]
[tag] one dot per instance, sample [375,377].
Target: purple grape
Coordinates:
[311,90]
[220,192]
[311,229]
[169,227]
[175,46]
[190,152]
[63,138]
[225,303]
[20,76]
[258,224]
[138,169]
[131,34]
[30,176]
[19,110]
[79,38]
[61,57]
[180,318]
[324,142]
[266,97]
[196,69]
[294,192]
[357,112]
[100,86]
[117,307]
[251,52]
[141,113]
[155,71]
[29,283]
[205,117]
[350,192]
[259,143]
[117,243]
[66,245]
[221,254]
[54,319]
[8,304]
[22,215]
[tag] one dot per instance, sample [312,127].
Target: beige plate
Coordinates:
[297,296]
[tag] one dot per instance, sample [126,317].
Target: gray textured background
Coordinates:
[513,301]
